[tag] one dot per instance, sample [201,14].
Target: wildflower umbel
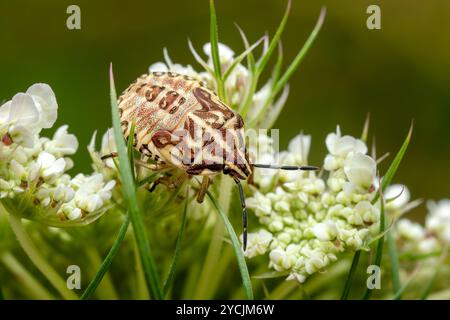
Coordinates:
[33,178]
[307,218]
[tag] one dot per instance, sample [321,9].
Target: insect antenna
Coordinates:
[244,214]
[293,168]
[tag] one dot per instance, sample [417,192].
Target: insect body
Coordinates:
[181,123]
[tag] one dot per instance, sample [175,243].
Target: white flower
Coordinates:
[438,219]
[258,243]
[340,148]
[325,231]
[226,55]
[409,230]
[49,166]
[45,101]
[397,196]
[62,143]
[260,204]
[360,171]
[19,118]
[299,148]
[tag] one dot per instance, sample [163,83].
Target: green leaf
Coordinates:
[380,245]
[246,282]
[199,59]
[387,179]
[393,257]
[106,264]
[173,266]
[291,69]
[239,58]
[365,131]
[251,88]
[302,53]
[214,41]
[274,42]
[351,275]
[129,193]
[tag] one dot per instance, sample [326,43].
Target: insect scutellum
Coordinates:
[181,123]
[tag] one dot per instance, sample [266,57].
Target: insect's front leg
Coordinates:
[203,188]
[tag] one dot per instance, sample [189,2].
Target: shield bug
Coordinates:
[181,123]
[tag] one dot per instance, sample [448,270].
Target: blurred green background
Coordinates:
[398,73]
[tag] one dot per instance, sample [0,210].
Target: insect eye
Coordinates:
[226,170]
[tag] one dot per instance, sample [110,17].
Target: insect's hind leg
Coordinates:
[203,188]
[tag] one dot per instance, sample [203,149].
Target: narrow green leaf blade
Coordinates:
[274,42]
[387,179]
[106,264]
[302,53]
[380,245]
[351,275]
[246,282]
[176,256]
[214,42]
[129,192]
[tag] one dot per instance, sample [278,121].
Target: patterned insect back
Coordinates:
[183,123]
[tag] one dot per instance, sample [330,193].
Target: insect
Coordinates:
[179,122]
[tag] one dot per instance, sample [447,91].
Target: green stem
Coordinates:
[214,42]
[33,253]
[142,290]
[393,257]
[23,277]
[215,246]
[173,266]
[380,246]
[129,192]
[106,264]
[239,253]
[351,275]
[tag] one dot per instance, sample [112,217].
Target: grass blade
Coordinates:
[380,245]
[351,275]
[302,53]
[387,179]
[246,282]
[274,42]
[393,257]
[214,41]
[173,266]
[106,264]
[199,59]
[129,192]
[251,87]
[241,57]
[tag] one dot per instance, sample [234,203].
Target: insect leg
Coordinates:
[111,155]
[204,186]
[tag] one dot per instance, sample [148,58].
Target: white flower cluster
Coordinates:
[413,237]
[309,218]
[33,178]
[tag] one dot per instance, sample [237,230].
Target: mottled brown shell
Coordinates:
[170,110]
